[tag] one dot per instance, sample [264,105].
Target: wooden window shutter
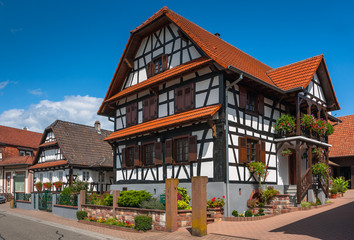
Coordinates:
[261,104]
[146,110]
[242,150]
[179,99]
[128,116]
[258,149]
[153,107]
[188,97]
[262,152]
[168,151]
[243,97]
[192,145]
[137,161]
[158,153]
[164,62]
[150,69]
[134,113]
[123,164]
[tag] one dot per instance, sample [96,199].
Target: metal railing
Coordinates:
[23,196]
[68,200]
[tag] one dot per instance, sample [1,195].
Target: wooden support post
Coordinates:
[309,158]
[82,197]
[298,171]
[298,125]
[71,173]
[171,204]
[199,207]
[100,177]
[116,194]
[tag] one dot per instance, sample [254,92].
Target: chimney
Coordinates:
[217,34]
[25,128]
[98,126]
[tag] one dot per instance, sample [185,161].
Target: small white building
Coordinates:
[70,151]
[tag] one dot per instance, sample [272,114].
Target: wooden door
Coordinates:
[8,183]
[292,169]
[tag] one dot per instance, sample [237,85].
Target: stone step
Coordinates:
[210,220]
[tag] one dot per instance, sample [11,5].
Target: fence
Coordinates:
[67,200]
[23,197]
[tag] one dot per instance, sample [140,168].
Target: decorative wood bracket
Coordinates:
[213,127]
[154,90]
[130,65]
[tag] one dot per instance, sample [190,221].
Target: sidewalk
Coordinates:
[331,222]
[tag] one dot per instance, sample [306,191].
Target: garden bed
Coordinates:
[126,229]
[239,219]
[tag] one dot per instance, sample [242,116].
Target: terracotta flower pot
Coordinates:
[333,195]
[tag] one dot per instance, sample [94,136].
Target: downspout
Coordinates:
[227,141]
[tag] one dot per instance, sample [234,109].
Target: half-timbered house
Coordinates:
[186,103]
[70,151]
[17,150]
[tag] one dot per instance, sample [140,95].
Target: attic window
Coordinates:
[157,65]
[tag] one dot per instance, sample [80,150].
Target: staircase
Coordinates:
[292,191]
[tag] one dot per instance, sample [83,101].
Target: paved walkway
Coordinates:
[331,222]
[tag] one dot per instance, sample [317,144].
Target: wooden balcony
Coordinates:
[303,132]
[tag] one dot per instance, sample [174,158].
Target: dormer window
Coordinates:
[157,65]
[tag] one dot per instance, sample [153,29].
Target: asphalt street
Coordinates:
[16,228]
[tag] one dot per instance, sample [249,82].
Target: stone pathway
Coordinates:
[331,222]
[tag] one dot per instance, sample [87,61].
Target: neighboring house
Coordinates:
[70,151]
[342,151]
[17,150]
[168,100]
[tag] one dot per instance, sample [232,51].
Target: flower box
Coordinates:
[114,227]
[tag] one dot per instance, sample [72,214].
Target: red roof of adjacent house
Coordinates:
[298,74]
[17,160]
[342,140]
[166,122]
[46,144]
[162,77]
[19,137]
[49,164]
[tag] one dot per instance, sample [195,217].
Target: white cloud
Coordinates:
[78,109]
[37,92]
[3,84]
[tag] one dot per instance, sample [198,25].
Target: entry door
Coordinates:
[8,182]
[292,169]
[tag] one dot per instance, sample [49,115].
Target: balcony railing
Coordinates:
[303,132]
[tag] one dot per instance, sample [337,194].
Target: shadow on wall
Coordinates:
[336,223]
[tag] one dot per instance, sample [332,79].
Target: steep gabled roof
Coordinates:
[297,74]
[81,144]
[17,160]
[19,137]
[342,140]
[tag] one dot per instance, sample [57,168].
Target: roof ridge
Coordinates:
[288,65]
[79,124]
[19,129]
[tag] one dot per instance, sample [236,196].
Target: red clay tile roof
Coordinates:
[296,74]
[49,164]
[48,144]
[19,137]
[166,122]
[162,77]
[17,160]
[342,140]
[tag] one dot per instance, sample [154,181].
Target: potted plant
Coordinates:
[318,153]
[39,186]
[286,152]
[58,185]
[330,129]
[334,192]
[321,169]
[48,185]
[216,203]
[285,124]
[260,171]
[307,122]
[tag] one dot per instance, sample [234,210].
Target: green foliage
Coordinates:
[333,190]
[248,213]
[318,201]
[103,200]
[67,197]
[152,203]
[285,123]
[307,121]
[234,213]
[269,193]
[305,204]
[340,184]
[286,152]
[252,203]
[182,205]
[328,201]
[318,153]
[330,129]
[261,212]
[79,185]
[133,198]
[321,169]
[216,202]
[112,221]
[260,170]
[143,222]
[261,205]
[182,194]
[81,215]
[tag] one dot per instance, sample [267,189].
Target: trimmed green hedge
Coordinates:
[143,222]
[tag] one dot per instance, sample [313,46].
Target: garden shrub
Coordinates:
[108,199]
[152,203]
[340,184]
[248,213]
[285,123]
[261,205]
[79,185]
[261,212]
[234,213]
[81,215]
[216,202]
[252,203]
[305,204]
[143,222]
[182,205]
[182,194]
[269,193]
[318,201]
[330,129]
[133,198]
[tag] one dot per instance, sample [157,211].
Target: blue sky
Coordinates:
[57,58]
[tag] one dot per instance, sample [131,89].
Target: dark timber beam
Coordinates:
[298,172]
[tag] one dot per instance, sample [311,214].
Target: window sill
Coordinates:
[256,114]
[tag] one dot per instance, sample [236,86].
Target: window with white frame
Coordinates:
[85,176]
[60,175]
[40,177]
